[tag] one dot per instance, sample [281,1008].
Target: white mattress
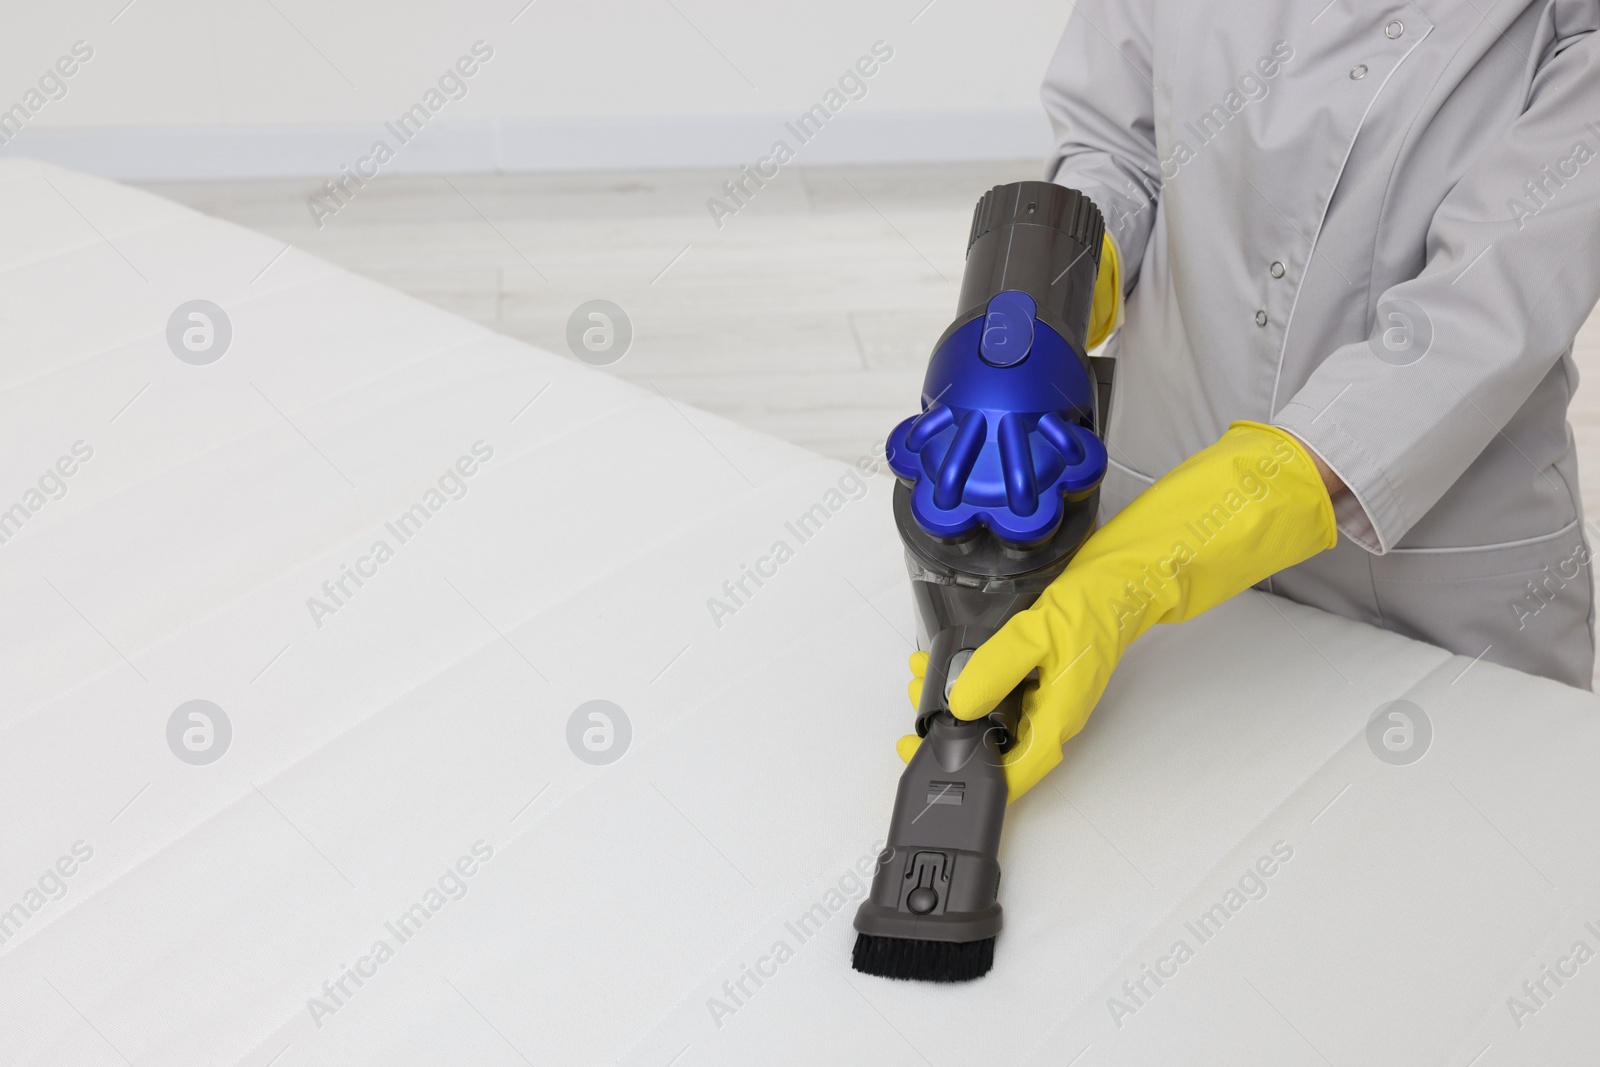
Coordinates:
[212,910]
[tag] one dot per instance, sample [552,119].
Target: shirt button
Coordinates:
[1394,29]
[1358,72]
[1261,318]
[1276,269]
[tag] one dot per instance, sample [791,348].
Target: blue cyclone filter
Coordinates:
[999,442]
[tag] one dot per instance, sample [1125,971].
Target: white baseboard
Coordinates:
[601,143]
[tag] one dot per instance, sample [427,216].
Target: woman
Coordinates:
[1355,246]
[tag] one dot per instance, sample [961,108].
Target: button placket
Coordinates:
[1394,29]
[1357,36]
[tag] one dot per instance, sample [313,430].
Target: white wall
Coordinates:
[180,88]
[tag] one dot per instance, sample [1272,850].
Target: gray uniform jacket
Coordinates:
[1377,225]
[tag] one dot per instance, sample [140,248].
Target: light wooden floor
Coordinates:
[807,315]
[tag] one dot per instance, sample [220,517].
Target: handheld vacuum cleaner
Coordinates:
[998,480]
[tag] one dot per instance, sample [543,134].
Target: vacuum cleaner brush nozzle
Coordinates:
[925,961]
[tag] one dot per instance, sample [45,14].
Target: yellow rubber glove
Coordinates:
[1105,315]
[1226,518]
[907,745]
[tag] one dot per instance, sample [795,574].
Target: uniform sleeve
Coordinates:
[1501,296]
[1099,96]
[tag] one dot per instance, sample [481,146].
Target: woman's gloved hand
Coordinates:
[1105,314]
[1226,518]
[907,745]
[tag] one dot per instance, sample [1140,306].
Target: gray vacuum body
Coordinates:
[934,910]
